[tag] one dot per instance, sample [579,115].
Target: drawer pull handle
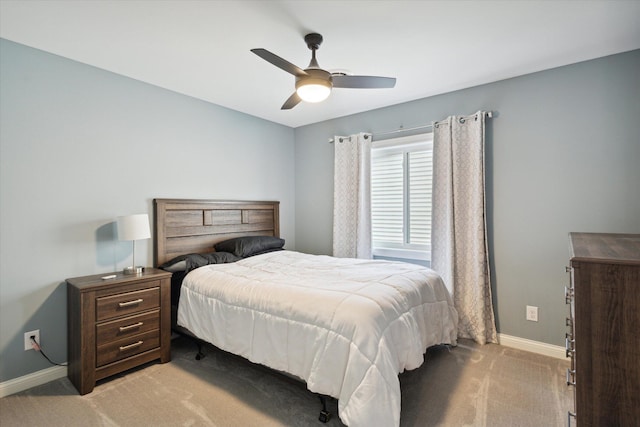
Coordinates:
[568,295]
[569,416]
[130,346]
[569,322]
[571,380]
[568,345]
[128,303]
[135,325]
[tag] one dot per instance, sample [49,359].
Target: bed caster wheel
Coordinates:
[324,416]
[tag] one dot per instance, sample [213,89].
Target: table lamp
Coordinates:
[134,227]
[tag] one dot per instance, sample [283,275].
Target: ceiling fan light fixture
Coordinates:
[313,90]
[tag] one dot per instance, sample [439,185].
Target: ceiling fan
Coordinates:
[314,84]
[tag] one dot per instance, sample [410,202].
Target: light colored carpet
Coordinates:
[469,385]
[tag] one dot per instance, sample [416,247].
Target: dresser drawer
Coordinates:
[126,347]
[122,328]
[117,305]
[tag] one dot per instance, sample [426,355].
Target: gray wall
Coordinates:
[80,146]
[563,154]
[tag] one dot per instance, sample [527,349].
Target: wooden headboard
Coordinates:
[183,226]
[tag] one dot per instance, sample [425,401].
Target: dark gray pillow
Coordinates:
[250,245]
[176,264]
[192,261]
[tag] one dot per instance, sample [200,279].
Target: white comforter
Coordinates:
[347,327]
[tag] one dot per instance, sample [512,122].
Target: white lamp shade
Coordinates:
[134,227]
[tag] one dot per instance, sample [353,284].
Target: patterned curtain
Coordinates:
[352,196]
[459,233]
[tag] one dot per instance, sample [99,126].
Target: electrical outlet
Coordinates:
[28,345]
[532,313]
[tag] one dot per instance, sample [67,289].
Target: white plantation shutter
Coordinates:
[387,197]
[420,174]
[401,173]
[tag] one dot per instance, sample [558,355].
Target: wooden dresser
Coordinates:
[604,336]
[116,324]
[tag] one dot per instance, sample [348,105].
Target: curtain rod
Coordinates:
[488,114]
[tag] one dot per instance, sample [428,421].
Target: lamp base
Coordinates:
[133,270]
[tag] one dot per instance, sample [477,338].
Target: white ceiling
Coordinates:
[202,48]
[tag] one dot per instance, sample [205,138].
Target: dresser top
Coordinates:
[605,248]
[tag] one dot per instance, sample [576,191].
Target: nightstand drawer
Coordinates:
[129,302]
[130,346]
[122,328]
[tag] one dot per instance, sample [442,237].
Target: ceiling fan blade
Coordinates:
[363,82]
[291,102]
[279,62]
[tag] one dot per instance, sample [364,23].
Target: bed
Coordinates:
[345,327]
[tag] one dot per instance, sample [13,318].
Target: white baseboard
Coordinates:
[537,347]
[25,382]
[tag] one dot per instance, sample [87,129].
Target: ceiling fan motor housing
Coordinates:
[314,76]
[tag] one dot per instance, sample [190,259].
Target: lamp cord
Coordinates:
[38,348]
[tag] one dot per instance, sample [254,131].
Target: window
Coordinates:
[401,174]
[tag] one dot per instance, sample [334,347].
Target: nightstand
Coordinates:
[116,324]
